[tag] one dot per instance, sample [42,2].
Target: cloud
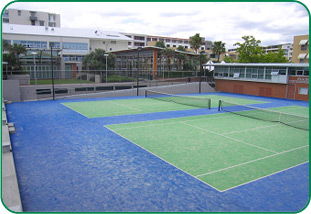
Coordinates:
[226,21]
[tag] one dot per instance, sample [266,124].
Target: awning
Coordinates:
[301,56]
[303,42]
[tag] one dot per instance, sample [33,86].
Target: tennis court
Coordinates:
[222,150]
[105,155]
[106,108]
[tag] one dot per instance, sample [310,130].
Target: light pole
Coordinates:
[106,55]
[137,80]
[201,68]
[34,66]
[51,46]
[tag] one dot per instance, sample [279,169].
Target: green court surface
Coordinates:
[295,110]
[215,99]
[106,108]
[223,150]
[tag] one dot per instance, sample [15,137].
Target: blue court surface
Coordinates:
[68,162]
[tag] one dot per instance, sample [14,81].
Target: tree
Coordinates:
[181,48]
[96,60]
[14,54]
[181,57]
[5,45]
[218,48]
[195,42]
[249,51]
[169,54]
[277,57]
[160,44]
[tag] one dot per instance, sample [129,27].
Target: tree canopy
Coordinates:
[251,52]
[218,48]
[160,44]
[96,60]
[14,52]
[195,42]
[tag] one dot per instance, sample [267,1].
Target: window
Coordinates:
[303,91]
[113,42]
[52,18]
[260,73]
[302,61]
[249,72]
[304,47]
[168,46]
[5,20]
[6,14]
[19,12]
[41,23]
[33,22]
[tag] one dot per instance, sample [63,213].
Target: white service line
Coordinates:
[269,150]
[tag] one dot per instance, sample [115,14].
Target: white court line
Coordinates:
[228,137]
[241,164]
[196,177]
[129,107]
[163,159]
[75,111]
[260,127]
[264,176]
[135,127]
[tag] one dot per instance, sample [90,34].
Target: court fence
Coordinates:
[45,84]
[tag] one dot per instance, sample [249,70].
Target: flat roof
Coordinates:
[264,64]
[150,48]
[62,32]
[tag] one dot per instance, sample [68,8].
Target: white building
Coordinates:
[71,44]
[30,17]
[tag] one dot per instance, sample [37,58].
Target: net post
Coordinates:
[209,103]
[145,93]
[219,105]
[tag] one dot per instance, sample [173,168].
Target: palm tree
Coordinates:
[168,54]
[17,50]
[218,48]
[195,42]
[5,45]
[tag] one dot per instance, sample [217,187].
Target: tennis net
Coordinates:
[198,102]
[295,121]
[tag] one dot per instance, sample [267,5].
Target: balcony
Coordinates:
[33,18]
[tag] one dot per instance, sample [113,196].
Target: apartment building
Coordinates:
[143,40]
[286,47]
[301,49]
[69,45]
[29,17]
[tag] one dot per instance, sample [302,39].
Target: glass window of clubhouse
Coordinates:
[260,72]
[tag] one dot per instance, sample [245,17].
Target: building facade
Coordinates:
[286,47]
[281,80]
[29,17]
[143,40]
[301,49]
[151,63]
[69,46]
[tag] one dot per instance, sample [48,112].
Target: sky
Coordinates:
[270,22]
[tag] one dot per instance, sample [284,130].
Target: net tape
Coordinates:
[299,122]
[199,102]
